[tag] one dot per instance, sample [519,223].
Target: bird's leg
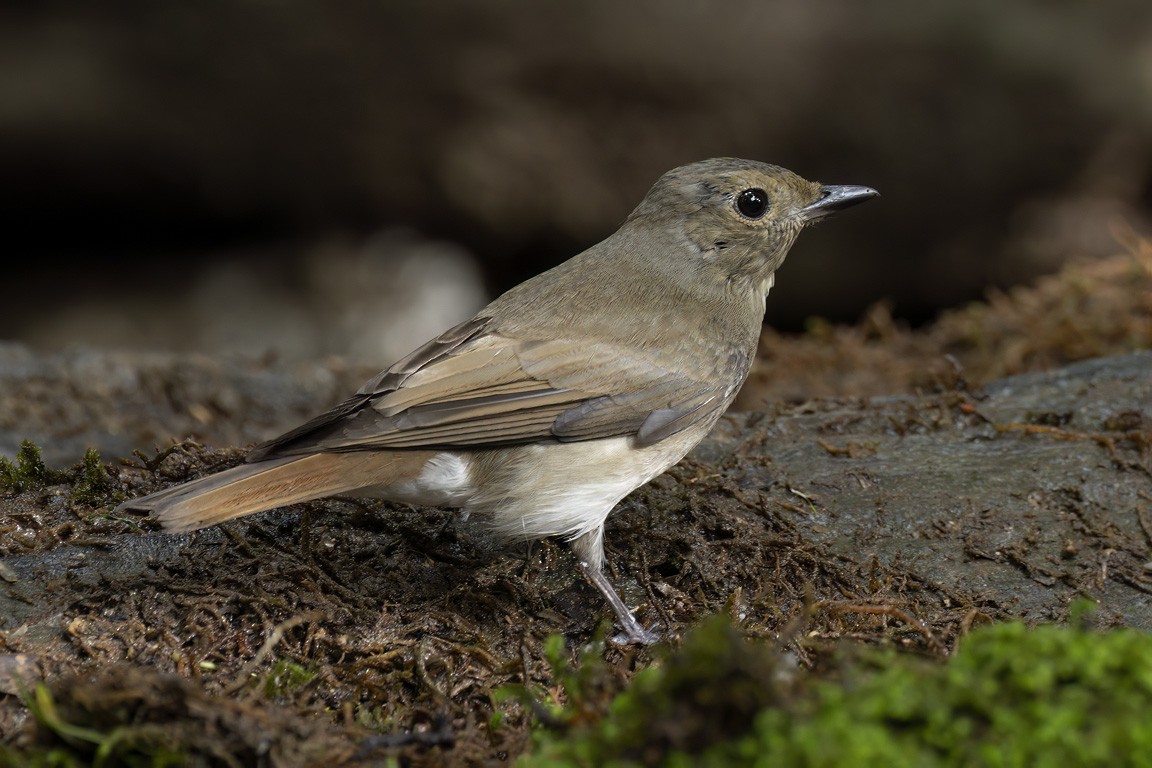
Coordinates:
[589,550]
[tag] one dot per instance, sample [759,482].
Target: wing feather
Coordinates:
[472,387]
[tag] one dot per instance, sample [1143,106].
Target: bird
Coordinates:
[538,415]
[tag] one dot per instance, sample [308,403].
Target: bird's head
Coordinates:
[739,217]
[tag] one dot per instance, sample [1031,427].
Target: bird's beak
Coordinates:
[836,197]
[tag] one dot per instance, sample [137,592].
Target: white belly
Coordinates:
[539,490]
[564,489]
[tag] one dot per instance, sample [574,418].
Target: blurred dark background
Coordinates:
[350,178]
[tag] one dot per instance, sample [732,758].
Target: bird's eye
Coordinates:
[752,203]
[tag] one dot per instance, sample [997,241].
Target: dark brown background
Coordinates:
[231,175]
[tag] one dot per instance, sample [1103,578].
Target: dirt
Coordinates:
[344,632]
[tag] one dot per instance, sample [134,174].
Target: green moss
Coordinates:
[93,484]
[712,689]
[1009,696]
[589,684]
[286,676]
[47,758]
[90,482]
[28,471]
[123,747]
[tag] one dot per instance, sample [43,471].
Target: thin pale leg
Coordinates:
[589,550]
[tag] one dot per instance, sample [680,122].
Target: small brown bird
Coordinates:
[567,392]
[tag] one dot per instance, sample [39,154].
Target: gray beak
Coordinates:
[836,197]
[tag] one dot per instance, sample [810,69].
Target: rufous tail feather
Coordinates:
[251,488]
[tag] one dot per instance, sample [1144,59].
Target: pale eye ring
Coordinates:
[753,203]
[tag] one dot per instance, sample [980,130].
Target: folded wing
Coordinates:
[473,387]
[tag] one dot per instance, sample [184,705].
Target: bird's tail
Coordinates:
[251,488]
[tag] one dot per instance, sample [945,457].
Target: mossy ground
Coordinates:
[1010,696]
[357,633]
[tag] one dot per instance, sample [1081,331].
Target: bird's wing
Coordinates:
[473,387]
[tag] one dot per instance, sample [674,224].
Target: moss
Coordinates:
[90,481]
[1009,696]
[709,691]
[285,678]
[125,745]
[588,682]
[123,716]
[27,472]
[93,485]
[46,758]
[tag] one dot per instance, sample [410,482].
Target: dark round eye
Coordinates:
[752,203]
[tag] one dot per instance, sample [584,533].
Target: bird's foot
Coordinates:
[637,635]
